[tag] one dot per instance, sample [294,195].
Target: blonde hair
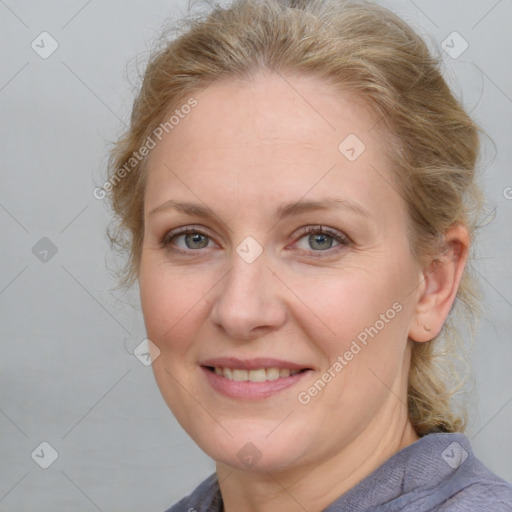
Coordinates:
[367,50]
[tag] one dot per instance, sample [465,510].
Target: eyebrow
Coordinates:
[284,211]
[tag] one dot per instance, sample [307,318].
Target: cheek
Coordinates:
[346,306]
[364,353]
[170,300]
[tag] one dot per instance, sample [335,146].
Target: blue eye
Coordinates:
[321,239]
[194,239]
[317,240]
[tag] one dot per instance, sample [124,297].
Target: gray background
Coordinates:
[68,376]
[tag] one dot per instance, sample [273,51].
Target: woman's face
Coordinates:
[253,283]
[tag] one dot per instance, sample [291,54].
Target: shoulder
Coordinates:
[442,474]
[204,498]
[494,498]
[485,490]
[464,482]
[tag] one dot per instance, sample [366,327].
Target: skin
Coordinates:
[247,148]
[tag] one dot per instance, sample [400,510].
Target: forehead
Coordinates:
[277,108]
[269,139]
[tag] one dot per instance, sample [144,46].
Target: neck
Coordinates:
[316,485]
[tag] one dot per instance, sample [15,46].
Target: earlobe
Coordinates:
[441,279]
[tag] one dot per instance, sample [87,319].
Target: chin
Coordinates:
[251,449]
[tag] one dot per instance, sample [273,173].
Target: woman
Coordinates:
[297,186]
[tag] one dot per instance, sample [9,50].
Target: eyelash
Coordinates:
[339,237]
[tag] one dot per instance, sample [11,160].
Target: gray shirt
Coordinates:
[439,472]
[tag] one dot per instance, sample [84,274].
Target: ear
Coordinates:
[440,282]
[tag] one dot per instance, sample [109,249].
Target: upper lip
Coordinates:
[252,364]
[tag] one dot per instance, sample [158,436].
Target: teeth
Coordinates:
[259,375]
[240,375]
[272,373]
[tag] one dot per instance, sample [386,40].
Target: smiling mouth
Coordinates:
[257,375]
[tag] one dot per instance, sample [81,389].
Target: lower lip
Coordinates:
[248,389]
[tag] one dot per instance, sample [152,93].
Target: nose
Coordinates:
[249,304]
